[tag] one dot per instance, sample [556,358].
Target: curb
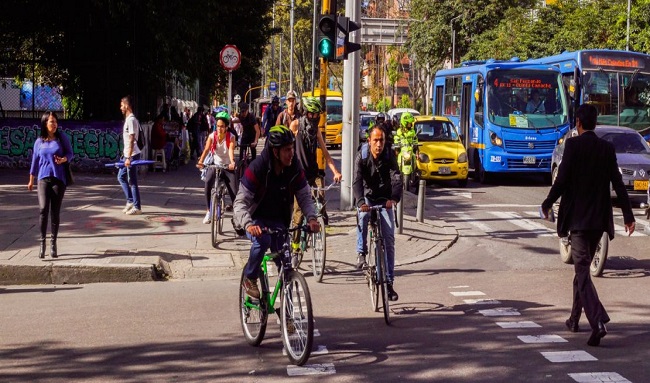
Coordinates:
[75,274]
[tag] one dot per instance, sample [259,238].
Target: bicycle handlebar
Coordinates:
[272,231]
[333,185]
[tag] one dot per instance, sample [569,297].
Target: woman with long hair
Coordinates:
[51,150]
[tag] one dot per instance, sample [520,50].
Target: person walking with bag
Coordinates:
[51,151]
[127,176]
[588,167]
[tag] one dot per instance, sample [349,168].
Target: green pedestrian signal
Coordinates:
[327,41]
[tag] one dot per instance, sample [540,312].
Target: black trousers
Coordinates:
[50,198]
[227,176]
[583,248]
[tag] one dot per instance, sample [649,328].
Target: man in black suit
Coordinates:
[587,168]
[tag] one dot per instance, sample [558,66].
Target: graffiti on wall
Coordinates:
[93,143]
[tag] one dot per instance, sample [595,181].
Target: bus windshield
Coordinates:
[334,112]
[526,99]
[621,98]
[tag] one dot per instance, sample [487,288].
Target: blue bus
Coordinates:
[616,82]
[510,114]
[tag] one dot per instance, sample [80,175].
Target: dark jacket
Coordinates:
[377,180]
[254,185]
[583,181]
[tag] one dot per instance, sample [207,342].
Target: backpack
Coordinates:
[141,140]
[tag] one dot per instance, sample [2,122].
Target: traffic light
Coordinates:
[343,44]
[327,40]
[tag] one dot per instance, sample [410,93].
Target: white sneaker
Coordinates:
[207,219]
[134,211]
[128,207]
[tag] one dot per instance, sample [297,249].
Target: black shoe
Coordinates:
[41,251]
[361,261]
[571,325]
[392,295]
[53,252]
[597,335]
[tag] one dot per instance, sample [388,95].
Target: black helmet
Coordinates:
[243,106]
[381,117]
[280,135]
[275,100]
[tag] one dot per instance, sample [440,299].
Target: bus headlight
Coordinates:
[462,157]
[496,140]
[423,158]
[560,141]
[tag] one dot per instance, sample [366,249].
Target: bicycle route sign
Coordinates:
[230,57]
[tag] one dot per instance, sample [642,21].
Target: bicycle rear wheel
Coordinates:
[319,251]
[253,316]
[297,319]
[371,276]
[214,217]
[383,282]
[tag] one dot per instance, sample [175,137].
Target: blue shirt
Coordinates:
[43,164]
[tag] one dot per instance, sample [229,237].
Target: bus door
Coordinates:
[465,113]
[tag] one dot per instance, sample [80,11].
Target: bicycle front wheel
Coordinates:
[297,319]
[383,285]
[253,315]
[371,277]
[214,216]
[319,251]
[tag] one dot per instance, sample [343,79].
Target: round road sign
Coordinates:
[230,57]
[237,98]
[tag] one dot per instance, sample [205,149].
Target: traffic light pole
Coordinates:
[351,97]
[323,75]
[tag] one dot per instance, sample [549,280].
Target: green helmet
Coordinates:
[312,105]
[223,116]
[280,135]
[407,118]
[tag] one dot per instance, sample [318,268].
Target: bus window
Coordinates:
[478,98]
[452,96]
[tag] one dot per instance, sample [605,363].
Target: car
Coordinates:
[397,113]
[364,123]
[441,154]
[632,155]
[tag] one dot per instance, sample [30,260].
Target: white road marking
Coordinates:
[524,223]
[482,301]
[466,293]
[598,377]
[522,324]
[542,339]
[501,311]
[458,287]
[311,369]
[472,221]
[568,356]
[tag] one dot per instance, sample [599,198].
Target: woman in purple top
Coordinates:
[51,150]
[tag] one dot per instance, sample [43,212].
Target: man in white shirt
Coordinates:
[128,175]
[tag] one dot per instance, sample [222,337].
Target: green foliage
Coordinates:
[383,105]
[404,102]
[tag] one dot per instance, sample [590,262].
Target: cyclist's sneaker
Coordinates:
[134,211]
[206,219]
[361,261]
[250,286]
[228,208]
[392,295]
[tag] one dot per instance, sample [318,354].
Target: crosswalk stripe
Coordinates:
[524,223]
[472,221]
[598,377]
[541,339]
[568,356]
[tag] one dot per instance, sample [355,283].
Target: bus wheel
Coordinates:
[480,174]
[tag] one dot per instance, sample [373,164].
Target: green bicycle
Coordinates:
[295,311]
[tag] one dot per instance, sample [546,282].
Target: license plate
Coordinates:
[444,170]
[640,184]
[529,160]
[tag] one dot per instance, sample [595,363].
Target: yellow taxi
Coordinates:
[441,154]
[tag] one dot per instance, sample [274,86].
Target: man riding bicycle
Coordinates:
[221,145]
[308,138]
[377,181]
[265,199]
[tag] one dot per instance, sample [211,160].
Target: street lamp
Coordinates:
[453,40]
[291,22]
[627,39]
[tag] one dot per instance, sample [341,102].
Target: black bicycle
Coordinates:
[377,266]
[295,311]
[217,203]
[244,160]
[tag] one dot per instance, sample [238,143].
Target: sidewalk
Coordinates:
[98,243]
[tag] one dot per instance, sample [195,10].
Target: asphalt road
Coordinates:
[505,262]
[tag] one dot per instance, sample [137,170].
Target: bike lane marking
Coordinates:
[598,377]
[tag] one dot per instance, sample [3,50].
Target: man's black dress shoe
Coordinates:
[597,334]
[571,325]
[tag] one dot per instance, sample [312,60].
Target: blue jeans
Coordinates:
[260,245]
[387,221]
[128,179]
